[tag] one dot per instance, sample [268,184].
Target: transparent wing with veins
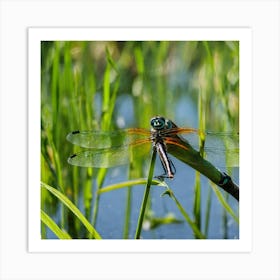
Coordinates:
[108,149]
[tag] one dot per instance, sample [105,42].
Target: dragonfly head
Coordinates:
[159,123]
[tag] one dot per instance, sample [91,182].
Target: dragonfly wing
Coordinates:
[221,149]
[110,157]
[100,158]
[220,158]
[106,139]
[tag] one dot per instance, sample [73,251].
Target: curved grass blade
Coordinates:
[131,183]
[50,223]
[193,225]
[66,201]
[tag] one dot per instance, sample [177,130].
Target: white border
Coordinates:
[243,35]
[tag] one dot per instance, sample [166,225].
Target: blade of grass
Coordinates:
[67,202]
[224,203]
[58,172]
[193,225]
[146,195]
[225,221]
[128,202]
[197,191]
[207,212]
[197,200]
[50,223]
[55,89]
[88,192]
[130,183]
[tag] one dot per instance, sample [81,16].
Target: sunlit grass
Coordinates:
[92,232]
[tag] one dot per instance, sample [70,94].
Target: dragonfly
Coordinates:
[105,149]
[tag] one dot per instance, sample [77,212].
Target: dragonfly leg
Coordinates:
[172,166]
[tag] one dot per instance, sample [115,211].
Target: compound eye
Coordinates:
[168,124]
[158,122]
[152,121]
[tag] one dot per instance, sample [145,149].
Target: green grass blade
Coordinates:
[88,193]
[131,183]
[54,89]
[50,223]
[73,209]
[99,182]
[224,203]
[197,200]
[146,195]
[193,225]
[128,203]
[207,212]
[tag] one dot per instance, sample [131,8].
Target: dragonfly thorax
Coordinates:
[159,128]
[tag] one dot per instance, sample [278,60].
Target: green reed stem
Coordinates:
[146,195]
[127,214]
[207,211]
